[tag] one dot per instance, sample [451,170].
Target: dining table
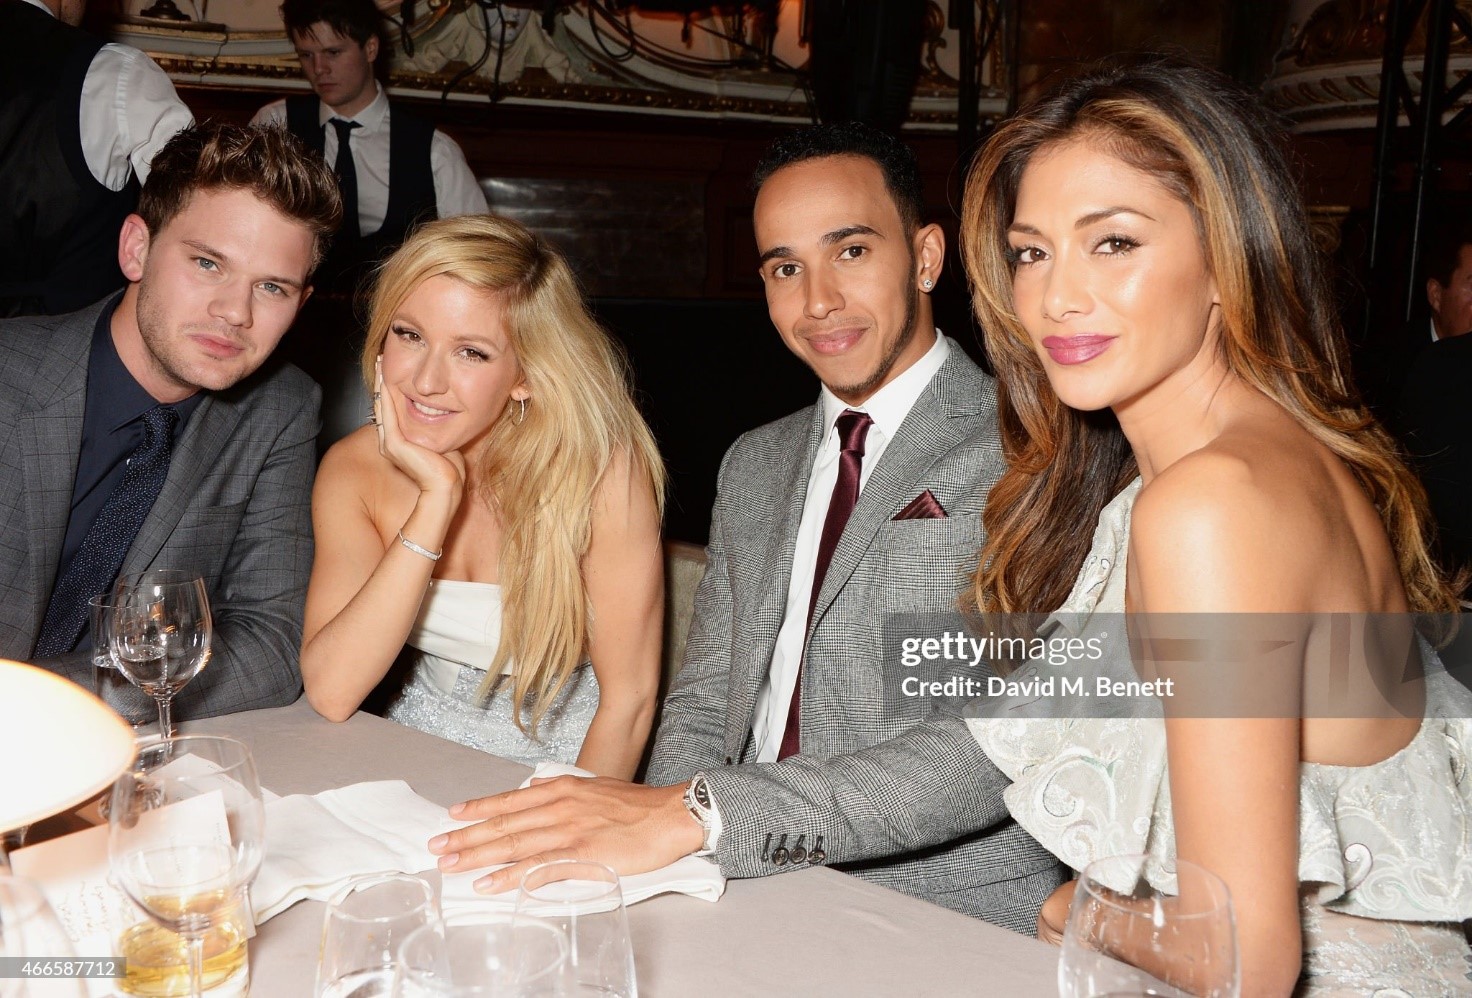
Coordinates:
[810,932]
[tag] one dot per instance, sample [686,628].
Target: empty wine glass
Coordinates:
[186,835]
[585,902]
[362,930]
[1125,938]
[161,630]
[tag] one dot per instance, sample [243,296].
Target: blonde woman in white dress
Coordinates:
[500,523]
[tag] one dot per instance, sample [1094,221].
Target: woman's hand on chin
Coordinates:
[433,472]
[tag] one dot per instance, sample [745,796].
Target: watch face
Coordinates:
[701,792]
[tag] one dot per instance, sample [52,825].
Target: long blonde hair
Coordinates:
[541,473]
[1213,146]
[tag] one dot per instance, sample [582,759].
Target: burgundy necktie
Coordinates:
[853,428]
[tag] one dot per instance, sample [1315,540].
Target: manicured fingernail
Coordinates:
[457,808]
[484,885]
[438,842]
[448,861]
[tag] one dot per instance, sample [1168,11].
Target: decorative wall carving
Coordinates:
[1327,74]
[718,65]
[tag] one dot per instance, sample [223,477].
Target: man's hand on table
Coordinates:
[627,826]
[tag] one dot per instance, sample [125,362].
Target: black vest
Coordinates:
[411,197]
[58,225]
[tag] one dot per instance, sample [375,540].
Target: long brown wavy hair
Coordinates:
[1215,147]
[540,471]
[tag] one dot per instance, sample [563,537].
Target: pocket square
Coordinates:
[923,507]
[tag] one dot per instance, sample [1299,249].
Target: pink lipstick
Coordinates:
[1070,350]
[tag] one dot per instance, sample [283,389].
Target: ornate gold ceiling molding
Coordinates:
[1327,75]
[569,66]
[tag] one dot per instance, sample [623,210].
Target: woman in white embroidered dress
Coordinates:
[1154,303]
[501,522]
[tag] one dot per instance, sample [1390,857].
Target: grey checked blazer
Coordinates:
[911,804]
[236,508]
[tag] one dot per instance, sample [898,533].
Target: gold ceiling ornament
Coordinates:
[1340,31]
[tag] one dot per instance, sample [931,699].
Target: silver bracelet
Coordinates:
[431,555]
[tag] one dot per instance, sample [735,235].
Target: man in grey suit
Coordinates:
[144,432]
[782,744]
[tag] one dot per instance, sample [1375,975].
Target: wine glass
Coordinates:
[584,900]
[481,955]
[186,836]
[29,928]
[1125,938]
[161,631]
[362,930]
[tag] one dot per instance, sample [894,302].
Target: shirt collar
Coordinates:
[111,388]
[41,6]
[370,118]
[889,406]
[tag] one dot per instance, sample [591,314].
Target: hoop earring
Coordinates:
[521,417]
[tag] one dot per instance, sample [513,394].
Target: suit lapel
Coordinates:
[757,632]
[50,435]
[51,440]
[934,424]
[195,452]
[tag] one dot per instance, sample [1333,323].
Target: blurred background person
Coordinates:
[80,121]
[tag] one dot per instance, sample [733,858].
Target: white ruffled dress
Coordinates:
[1385,851]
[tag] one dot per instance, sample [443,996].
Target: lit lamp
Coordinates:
[59,745]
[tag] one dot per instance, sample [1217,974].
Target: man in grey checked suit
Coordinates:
[843,777]
[218,260]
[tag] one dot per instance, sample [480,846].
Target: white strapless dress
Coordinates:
[1385,851]
[452,643]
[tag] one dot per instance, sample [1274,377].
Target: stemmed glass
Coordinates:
[161,630]
[585,902]
[1132,940]
[186,836]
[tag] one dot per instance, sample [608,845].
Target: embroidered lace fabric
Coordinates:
[1385,851]
[454,639]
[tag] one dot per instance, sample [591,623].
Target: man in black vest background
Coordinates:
[80,120]
[395,168]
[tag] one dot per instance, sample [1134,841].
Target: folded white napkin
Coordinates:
[695,876]
[316,845]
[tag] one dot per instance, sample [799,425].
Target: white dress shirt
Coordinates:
[888,407]
[129,110]
[455,189]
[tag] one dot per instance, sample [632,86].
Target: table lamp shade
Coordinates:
[59,744]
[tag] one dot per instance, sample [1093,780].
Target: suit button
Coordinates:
[799,854]
[779,856]
[817,856]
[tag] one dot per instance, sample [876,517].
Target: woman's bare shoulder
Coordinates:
[1229,528]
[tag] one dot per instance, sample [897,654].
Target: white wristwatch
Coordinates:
[697,802]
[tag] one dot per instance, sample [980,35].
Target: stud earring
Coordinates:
[927,284]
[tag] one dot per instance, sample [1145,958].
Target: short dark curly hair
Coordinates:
[359,20]
[270,162]
[851,138]
[1444,249]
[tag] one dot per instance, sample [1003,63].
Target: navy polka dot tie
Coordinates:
[95,565]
